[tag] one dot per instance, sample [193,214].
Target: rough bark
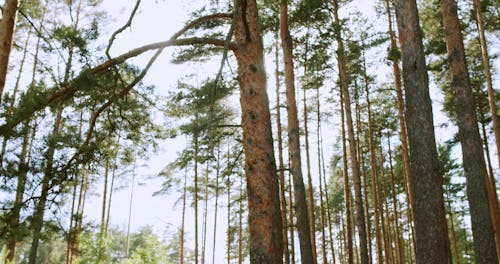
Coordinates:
[432,245]
[301,209]
[266,240]
[472,151]
[7,24]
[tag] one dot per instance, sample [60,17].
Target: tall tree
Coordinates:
[307,251]
[7,24]
[487,73]
[472,151]
[356,175]
[266,242]
[430,221]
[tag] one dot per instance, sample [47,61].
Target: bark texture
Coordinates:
[266,242]
[7,24]
[301,211]
[432,245]
[472,150]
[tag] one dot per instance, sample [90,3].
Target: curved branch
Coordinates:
[200,20]
[67,89]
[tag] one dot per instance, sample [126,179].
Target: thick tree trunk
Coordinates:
[360,214]
[472,151]
[301,210]
[7,24]
[429,213]
[266,238]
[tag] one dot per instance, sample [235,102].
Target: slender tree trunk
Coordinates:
[101,246]
[492,193]
[487,73]
[363,169]
[195,194]
[307,251]
[266,238]
[131,201]
[403,136]
[453,233]
[360,214]
[7,24]
[240,224]
[70,241]
[373,170]
[216,207]
[82,197]
[281,165]
[46,185]
[399,236]
[183,218]
[347,189]
[292,225]
[322,169]
[323,221]
[429,213]
[228,219]
[483,230]
[205,215]
[14,218]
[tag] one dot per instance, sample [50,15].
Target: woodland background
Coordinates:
[97,113]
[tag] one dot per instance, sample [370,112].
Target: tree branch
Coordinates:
[70,87]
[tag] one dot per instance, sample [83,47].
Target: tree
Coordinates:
[356,175]
[7,23]
[266,244]
[472,151]
[307,251]
[432,245]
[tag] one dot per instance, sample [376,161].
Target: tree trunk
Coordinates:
[7,24]
[487,73]
[472,151]
[373,170]
[429,213]
[403,136]
[14,218]
[101,246]
[399,236]
[47,178]
[266,239]
[281,165]
[216,207]
[347,188]
[360,214]
[183,218]
[304,225]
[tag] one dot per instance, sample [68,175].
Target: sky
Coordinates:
[156,21]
